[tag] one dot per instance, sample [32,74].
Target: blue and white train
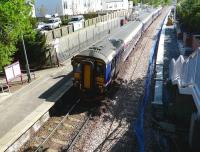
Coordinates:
[95,67]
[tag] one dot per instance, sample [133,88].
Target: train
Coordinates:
[95,68]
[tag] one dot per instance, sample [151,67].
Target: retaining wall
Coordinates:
[69,42]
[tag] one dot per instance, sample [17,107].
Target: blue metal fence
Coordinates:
[139,123]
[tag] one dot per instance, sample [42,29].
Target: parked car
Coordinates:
[53,23]
[77,22]
[77,18]
[40,26]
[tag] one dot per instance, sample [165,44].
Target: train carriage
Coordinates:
[95,67]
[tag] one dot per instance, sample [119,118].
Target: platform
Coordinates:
[21,110]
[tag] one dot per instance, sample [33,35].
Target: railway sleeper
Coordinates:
[56,122]
[68,126]
[74,119]
[51,150]
[61,132]
[58,141]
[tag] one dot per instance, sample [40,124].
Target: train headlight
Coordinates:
[100,80]
[77,76]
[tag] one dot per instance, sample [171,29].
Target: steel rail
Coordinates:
[76,136]
[58,125]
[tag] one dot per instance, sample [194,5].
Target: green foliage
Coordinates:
[36,51]
[14,21]
[136,2]
[65,21]
[153,2]
[90,15]
[188,11]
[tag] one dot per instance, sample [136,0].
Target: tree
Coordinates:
[188,12]
[15,21]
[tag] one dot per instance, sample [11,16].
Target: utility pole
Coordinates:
[26,59]
[175,10]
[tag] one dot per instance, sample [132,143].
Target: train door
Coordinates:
[113,68]
[87,76]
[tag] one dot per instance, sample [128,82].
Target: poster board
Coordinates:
[12,71]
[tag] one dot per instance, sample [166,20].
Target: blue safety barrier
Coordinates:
[139,123]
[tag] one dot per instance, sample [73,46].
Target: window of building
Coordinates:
[65,5]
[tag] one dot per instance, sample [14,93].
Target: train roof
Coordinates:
[110,46]
[102,50]
[128,31]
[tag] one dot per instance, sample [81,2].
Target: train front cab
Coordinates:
[89,77]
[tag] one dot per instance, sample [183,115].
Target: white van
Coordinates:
[78,18]
[77,22]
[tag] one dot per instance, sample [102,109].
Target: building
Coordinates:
[73,7]
[66,7]
[111,5]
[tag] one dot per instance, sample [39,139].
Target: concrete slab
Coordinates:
[159,72]
[158,93]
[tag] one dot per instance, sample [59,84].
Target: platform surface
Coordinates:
[21,109]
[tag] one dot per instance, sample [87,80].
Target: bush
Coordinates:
[65,21]
[188,12]
[90,15]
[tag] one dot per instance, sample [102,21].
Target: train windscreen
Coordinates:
[99,70]
[77,70]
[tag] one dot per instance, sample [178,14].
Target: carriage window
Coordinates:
[113,64]
[99,70]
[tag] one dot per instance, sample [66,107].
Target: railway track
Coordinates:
[60,132]
[132,81]
[125,98]
[126,92]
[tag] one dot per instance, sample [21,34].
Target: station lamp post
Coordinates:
[26,59]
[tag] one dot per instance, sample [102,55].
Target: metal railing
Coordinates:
[185,73]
